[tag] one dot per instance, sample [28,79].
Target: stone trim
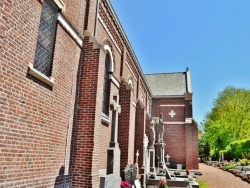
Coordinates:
[174,122]
[105,119]
[129,84]
[61,5]
[40,76]
[171,105]
[188,96]
[96,44]
[134,104]
[70,30]
[114,81]
[188,120]
[108,49]
[141,103]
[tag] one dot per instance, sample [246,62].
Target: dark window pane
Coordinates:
[106,87]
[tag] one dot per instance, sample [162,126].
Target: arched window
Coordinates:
[46,38]
[106,87]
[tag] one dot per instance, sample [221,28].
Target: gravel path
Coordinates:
[217,178]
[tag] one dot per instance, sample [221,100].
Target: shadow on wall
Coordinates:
[62,180]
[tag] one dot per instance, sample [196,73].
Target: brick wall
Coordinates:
[123,131]
[175,143]
[35,121]
[195,146]
[181,139]
[139,132]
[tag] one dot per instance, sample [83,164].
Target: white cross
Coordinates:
[172,113]
[168,156]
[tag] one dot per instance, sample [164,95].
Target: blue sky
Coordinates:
[211,37]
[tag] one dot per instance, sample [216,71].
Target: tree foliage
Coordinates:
[229,118]
[239,149]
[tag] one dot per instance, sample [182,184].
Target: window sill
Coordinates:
[40,76]
[105,119]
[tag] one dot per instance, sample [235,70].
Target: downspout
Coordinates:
[96,17]
[71,110]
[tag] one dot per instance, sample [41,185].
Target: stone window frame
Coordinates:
[106,96]
[47,79]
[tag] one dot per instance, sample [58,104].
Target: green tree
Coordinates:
[229,118]
[204,147]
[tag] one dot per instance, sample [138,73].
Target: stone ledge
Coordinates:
[40,76]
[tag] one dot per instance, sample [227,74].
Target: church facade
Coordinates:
[75,104]
[172,102]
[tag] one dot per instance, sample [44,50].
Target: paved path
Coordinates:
[217,178]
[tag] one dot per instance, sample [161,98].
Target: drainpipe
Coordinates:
[70,114]
[96,17]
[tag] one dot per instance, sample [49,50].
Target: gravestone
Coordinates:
[136,162]
[160,148]
[151,147]
[160,145]
[167,157]
[145,165]
[179,166]
[110,181]
[112,178]
[113,165]
[130,173]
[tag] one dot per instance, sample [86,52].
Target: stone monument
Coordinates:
[152,147]
[113,179]
[167,157]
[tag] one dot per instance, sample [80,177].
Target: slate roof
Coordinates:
[165,84]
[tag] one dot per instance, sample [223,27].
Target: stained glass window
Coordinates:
[46,36]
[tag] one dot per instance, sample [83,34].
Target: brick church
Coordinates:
[74,102]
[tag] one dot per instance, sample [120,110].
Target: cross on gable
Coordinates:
[172,113]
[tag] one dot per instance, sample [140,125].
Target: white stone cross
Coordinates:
[172,113]
[116,110]
[168,156]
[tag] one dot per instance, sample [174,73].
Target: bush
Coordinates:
[177,172]
[231,166]
[240,148]
[237,149]
[244,162]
